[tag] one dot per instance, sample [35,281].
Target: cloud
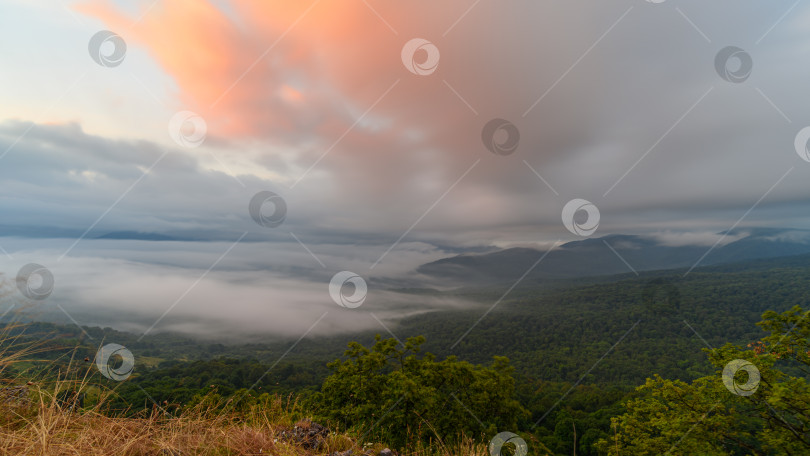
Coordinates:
[300,78]
[705,238]
[618,103]
[267,289]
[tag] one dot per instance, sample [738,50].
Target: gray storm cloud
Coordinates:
[619,103]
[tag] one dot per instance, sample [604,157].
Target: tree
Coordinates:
[762,409]
[395,395]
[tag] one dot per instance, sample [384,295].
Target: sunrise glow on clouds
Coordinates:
[311,100]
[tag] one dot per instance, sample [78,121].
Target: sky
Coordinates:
[395,133]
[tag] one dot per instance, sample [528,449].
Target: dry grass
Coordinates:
[48,429]
[47,426]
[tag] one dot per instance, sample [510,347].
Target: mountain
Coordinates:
[596,256]
[552,334]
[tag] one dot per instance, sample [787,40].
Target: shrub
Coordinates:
[395,395]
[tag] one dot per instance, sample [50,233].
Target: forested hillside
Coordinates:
[576,351]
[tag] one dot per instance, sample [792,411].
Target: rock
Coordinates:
[386,452]
[308,434]
[342,453]
[16,396]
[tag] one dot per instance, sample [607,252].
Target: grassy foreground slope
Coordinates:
[270,428]
[72,410]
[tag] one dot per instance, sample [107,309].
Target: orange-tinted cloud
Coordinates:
[247,69]
[300,75]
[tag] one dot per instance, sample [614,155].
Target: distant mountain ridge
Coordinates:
[596,256]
